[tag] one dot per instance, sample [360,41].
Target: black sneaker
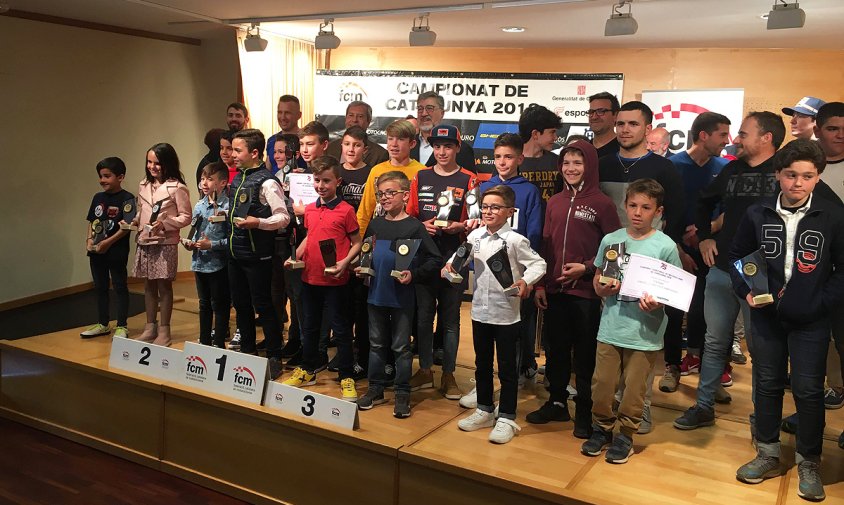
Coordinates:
[262,345]
[371,399]
[334,364]
[620,450]
[789,424]
[274,367]
[295,361]
[549,412]
[599,441]
[290,349]
[402,408]
[695,417]
[323,364]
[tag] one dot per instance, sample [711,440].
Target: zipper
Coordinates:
[231,215]
[568,218]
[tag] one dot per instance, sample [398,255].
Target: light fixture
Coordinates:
[787,15]
[326,39]
[422,35]
[253,41]
[512,29]
[621,23]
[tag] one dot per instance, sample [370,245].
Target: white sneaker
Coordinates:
[504,431]
[479,419]
[572,392]
[470,400]
[234,343]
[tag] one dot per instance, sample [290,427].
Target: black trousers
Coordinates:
[250,283]
[489,338]
[214,306]
[113,265]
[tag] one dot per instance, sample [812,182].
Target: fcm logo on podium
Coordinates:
[244,379]
[196,369]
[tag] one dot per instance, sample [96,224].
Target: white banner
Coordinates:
[675,110]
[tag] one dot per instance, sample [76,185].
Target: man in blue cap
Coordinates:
[803,117]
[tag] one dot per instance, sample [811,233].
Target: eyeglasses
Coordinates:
[598,112]
[389,193]
[428,108]
[493,209]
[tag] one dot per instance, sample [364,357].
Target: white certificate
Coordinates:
[302,187]
[668,284]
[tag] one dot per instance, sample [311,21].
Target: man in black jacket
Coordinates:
[430,109]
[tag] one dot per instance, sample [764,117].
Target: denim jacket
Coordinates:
[214,259]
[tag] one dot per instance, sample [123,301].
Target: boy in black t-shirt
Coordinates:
[108,246]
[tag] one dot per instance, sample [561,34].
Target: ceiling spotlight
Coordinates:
[621,23]
[422,35]
[253,41]
[326,39]
[787,15]
[512,29]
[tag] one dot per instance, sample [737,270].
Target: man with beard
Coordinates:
[430,109]
[288,115]
[237,116]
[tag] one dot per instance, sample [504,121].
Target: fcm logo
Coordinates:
[196,366]
[350,92]
[678,121]
[243,376]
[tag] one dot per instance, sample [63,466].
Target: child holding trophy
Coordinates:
[163,209]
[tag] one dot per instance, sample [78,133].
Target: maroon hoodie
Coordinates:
[576,220]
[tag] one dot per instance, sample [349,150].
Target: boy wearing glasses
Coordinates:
[445,180]
[391,301]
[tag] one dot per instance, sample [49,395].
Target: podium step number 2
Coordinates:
[224,372]
[310,405]
[143,358]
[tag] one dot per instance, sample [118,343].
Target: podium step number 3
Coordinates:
[147,359]
[309,405]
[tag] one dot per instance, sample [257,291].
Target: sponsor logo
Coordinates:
[677,119]
[488,132]
[442,132]
[244,379]
[426,188]
[585,213]
[125,355]
[429,207]
[581,90]
[113,212]
[165,363]
[335,412]
[350,92]
[98,210]
[279,397]
[195,368]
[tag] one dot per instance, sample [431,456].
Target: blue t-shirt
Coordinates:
[696,178]
[624,324]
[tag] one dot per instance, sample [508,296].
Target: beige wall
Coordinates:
[73,96]
[771,78]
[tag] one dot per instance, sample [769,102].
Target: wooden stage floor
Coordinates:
[434,459]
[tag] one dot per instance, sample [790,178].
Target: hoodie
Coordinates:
[576,220]
[528,219]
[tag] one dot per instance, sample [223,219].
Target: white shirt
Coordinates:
[271,194]
[489,303]
[426,150]
[791,219]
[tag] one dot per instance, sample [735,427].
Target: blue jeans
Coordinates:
[389,330]
[720,309]
[806,347]
[441,298]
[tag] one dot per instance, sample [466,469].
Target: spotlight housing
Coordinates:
[253,41]
[786,15]
[422,35]
[326,39]
[621,23]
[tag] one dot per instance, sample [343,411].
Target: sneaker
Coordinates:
[401,409]
[727,376]
[811,486]
[571,391]
[549,411]
[670,379]
[695,417]
[479,419]
[789,424]
[832,399]
[95,331]
[295,361]
[761,468]
[470,400]
[123,332]
[275,367]
[323,364]
[390,372]
[438,357]
[448,387]
[370,399]
[290,349]
[690,364]
[301,378]
[722,396]
[347,387]
[599,441]
[620,450]
[234,343]
[527,376]
[737,356]
[504,431]
[422,379]
[334,364]
[646,426]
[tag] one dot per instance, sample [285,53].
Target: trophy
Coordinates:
[754,270]
[366,251]
[130,210]
[217,217]
[405,252]
[98,234]
[294,263]
[156,209]
[461,257]
[194,233]
[328,248]
[444,204]
[613,259]
[240,207]
[473,202]
[499,265]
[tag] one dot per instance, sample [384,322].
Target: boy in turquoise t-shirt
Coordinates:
[630,335]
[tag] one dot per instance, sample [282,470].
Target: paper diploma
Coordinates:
[663,281]
[302,187]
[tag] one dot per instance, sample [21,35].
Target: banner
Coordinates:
[675,110]
[481,104]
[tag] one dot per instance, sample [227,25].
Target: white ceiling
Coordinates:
[662,23]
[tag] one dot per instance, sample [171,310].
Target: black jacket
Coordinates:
[465,157]
[250,244]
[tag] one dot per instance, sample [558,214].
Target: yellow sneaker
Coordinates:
[347,387]
[301,378]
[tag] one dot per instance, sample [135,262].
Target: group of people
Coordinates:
[410,210]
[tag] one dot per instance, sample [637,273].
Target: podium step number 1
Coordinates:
[147,359]
[307,404]
[224,372]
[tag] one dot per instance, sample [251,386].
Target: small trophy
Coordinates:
[405,252]
[98,233]
[473,203]
[754,270]
[240,209]
[156,209]
[130,210]
[195,224]
[444,204]
[499,265]
[328,248]
[366,251]
[217,217]
[613,259]
[461,256]
[294,263]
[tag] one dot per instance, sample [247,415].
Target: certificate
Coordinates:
[302,187]
[668,284]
